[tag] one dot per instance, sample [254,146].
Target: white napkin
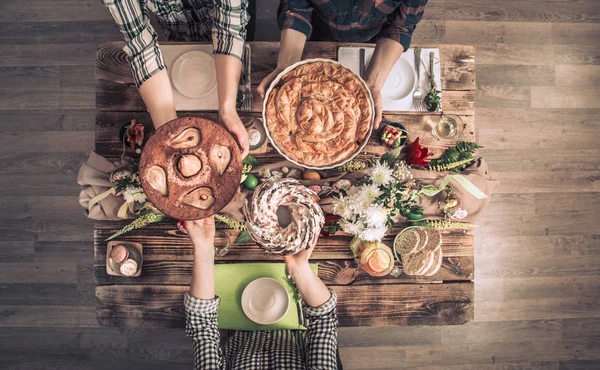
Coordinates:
[350,56]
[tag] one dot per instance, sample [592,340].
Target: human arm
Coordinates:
[384,57]
[229,34]
[158,97]
[145,58]
[321,315]
[393,39]
[201,304]
[294,18]
[290,51]
[228,76]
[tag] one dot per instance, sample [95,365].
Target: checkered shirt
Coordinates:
[357,21]
[314,348]
[223,21]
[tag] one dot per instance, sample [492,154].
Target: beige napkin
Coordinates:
[477,173]
[94,180]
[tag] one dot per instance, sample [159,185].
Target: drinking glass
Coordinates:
[449,126]
[221,243]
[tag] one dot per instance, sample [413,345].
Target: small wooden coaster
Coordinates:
[134,248]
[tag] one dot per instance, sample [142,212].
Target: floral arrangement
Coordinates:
[417,155]
[133,134]
[367,209]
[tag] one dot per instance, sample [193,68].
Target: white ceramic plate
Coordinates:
[265,301]
[276,81]
[400,82]
[194,74]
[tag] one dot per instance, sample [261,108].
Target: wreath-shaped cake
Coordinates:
[319,113]
[305,213]
[190,168]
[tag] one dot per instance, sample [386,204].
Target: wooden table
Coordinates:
[155,299]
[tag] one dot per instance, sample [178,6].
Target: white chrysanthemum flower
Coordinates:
[381,174]
[342,207]
[369,193]
[354,190]
[133,194]
[373,234]
[353,228]
[376,216]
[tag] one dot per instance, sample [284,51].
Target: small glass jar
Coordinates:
[376,258]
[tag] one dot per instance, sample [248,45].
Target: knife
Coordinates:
[361,70]
[298,299]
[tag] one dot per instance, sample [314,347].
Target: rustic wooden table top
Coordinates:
[155,299]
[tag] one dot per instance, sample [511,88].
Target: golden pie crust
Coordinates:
[319,114]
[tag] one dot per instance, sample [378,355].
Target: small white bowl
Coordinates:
[265,301]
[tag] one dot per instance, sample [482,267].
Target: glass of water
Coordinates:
[449,126]
[221,243]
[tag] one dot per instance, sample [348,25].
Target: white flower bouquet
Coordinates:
[367,208]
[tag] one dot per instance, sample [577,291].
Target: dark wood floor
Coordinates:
[538,252]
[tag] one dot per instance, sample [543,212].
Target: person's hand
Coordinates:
[376,93]
[202,233]
[233,123]
[266,82]
[299,259]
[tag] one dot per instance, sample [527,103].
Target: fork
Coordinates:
[298,299]
[418,94]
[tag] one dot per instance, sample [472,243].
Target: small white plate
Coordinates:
[400,82]
[265,301]
[194,74]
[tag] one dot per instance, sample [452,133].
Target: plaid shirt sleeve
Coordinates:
[201,327]
[295,15]
[402,22]
[141,39]
[229,27]
[321,336]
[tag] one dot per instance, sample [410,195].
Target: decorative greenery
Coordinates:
[455,158]
[236,225]
[443,224]
[250,160]
[352,166]
[244,237]
[247,165]
[433,100]
[331,225]
[146,217]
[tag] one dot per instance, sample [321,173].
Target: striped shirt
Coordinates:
[352,21]
[222,21]
[314,348]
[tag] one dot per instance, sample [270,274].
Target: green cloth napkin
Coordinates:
[231,280]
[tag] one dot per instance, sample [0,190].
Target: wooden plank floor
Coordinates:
[537,250]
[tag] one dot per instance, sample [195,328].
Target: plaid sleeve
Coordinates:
[295,15]
[229,27]
[141,40]
[321,336]
[402,22]
[201,327]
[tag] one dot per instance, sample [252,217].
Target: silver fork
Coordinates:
[298,299]
[418,94]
